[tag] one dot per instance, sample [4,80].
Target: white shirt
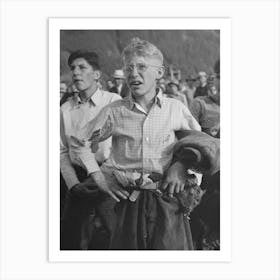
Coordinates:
[75,114]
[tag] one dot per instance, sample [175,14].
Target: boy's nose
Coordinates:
[134,71]
[76,70]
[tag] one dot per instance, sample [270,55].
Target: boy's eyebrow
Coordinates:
[79,65]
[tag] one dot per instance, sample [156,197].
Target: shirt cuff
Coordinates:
[197,175]
[89,162]
[70,179]
[71,182]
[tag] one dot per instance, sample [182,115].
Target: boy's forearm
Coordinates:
[89,162]
[68,172]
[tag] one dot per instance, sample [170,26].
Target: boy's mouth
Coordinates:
[76,80]
[135,83]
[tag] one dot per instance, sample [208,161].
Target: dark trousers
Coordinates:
[151,223]
[78,209]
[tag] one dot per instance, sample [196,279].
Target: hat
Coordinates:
[118,74]
[202,74]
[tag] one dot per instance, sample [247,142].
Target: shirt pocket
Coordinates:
[162,146]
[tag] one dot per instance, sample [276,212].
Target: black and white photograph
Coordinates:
[158,158]
[140,176]
[140,139]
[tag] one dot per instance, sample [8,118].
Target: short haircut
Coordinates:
[143,48]
[90,57]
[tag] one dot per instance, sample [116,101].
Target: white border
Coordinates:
[55,25]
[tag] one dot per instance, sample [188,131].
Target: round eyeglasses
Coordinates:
[140,67]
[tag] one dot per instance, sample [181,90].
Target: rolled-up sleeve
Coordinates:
[66,167]
[188,122]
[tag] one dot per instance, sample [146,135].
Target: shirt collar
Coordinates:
[157,99]
[94,99]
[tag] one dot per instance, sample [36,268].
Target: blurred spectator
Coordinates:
[190,88]
[202,89]
[206,110]
[162,85]
[120,86]
[71,91]
[182,85]
[211,84]
[217,68]
[109,85]
[63,89]
[173,92]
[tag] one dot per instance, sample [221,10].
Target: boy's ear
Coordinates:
[161,71]
[97,74]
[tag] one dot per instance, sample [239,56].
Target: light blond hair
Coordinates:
[143,48]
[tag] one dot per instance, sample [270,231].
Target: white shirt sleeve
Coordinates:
[66,167]
[187,121]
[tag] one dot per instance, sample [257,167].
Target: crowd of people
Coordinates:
[137,163]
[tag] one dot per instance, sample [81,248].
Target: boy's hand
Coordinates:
[109,185]
[85,189]
[175,178]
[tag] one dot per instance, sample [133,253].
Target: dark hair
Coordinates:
[90,57]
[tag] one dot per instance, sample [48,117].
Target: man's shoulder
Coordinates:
[115,104]
[110,95]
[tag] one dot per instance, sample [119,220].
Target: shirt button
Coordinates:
[147,139]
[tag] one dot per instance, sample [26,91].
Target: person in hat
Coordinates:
[173,92]
[119,83]
[202,89]
[143,127]
[76,112]
[190,88]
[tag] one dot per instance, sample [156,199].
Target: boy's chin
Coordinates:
[137,92]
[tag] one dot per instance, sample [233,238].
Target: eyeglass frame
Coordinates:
[136,66]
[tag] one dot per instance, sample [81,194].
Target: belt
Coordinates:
[150,187]
[137,182]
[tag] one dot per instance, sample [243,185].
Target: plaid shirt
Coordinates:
[141,141]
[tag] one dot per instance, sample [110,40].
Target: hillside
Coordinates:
[188,50]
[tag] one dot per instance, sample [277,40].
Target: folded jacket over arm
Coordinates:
[198,150]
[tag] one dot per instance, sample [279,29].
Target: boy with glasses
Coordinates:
[143,127]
